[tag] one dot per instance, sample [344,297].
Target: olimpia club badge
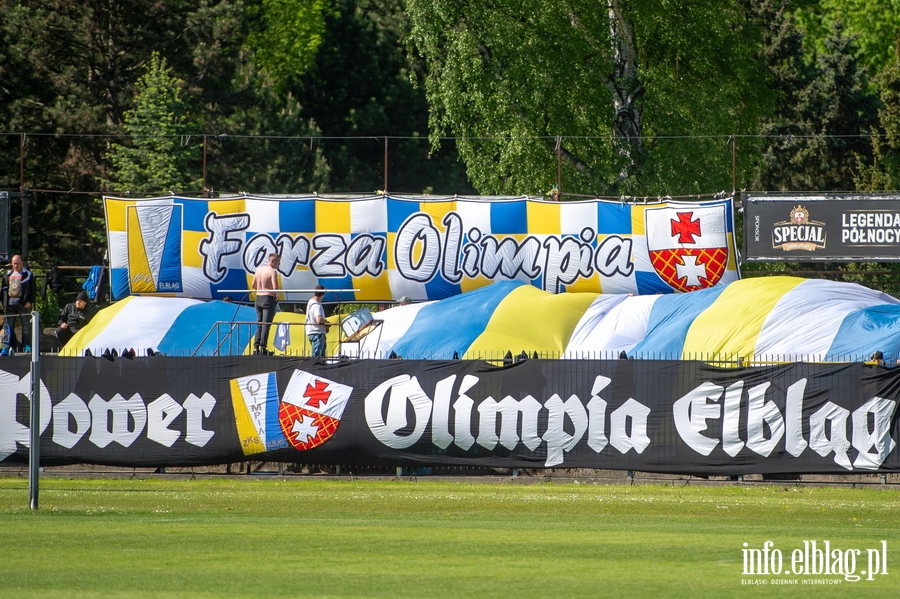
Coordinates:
[255,401]
[688,246]
[305,417]
[154,247]
[311,409]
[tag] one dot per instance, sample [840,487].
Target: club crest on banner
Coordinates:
[311,409]
[305,417]
[154,247]
[255,401]
[688,246]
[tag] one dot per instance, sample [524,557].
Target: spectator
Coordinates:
[19,292]
[265,282]
[73,317]
[316,325]
[404,301]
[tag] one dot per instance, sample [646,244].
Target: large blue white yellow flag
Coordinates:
[386,247]
[758,320]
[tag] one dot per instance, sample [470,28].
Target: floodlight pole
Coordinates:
[34,453]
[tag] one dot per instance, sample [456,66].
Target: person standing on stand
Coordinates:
[19,292]
[316,325]
[265,282]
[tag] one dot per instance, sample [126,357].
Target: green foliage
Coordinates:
[816,136]
[49,308]
[286,46]
[157,161]
[288,162]
[884,172]
[362,84]
[875,24]
[259,76]
[68,73]
[510,77]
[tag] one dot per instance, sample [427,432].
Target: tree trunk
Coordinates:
[626,90]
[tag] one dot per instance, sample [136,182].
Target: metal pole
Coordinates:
[24,198]
[385,164]
[205,193]
[733,164]
[559,165]
[22,163]
[24,227]
[34,453]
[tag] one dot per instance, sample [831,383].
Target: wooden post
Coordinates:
[24,199]
[385,164]
[205,192]
[733,164]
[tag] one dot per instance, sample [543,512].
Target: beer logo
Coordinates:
[688,247]
[798,232]
[799,215]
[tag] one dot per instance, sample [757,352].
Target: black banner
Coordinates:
[839,227]
[653,416]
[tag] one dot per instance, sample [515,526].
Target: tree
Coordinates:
[874,23]
[362,86]
[286,46]
[610,92]
[157,160]
[68,70]
[884,171]
[816,138]
[66,67]
[781,51]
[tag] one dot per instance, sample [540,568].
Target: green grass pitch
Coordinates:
[317,537]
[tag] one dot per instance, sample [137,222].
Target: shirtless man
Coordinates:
[265,282]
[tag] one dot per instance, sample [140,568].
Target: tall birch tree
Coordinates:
[604,93]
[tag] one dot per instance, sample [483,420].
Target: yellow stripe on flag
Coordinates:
[718,330]
[247,433]
[227,206]
[115,214]
[437,211]
[140,279]
[532,320]
[372,288]
[585,285]
[638,225]
[333,217]
[190,248]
